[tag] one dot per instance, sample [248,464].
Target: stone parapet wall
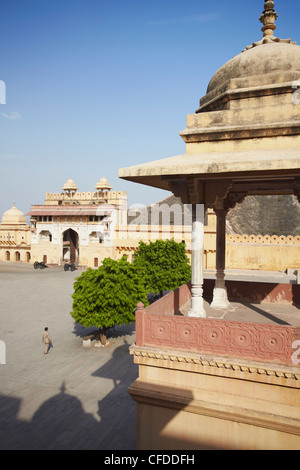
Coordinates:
[260,342]
[269,253]
[108,197]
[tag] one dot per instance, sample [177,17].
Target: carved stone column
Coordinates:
[220,298]
[197,304]
[201,194]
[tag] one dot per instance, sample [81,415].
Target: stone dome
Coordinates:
[260,69]
[103,184]
[260,61]
[70,185]
[13,217]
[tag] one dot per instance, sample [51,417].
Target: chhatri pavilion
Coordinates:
[15,236]
[243,140]
[204,382]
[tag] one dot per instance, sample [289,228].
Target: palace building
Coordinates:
[84,228]
[77,227]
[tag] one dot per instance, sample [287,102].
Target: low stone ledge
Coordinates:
[265,372]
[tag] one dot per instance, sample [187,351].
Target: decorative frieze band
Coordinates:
[218,363]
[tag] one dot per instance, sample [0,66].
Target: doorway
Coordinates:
[70,247]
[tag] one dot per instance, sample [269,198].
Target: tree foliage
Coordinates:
[163,264]
[108,296]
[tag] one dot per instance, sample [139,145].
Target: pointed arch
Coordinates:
[70,239]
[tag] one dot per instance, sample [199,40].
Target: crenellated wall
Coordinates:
[90,197]
[269,253]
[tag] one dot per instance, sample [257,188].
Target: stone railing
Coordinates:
[157,328]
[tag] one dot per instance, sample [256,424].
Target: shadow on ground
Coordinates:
[61,422]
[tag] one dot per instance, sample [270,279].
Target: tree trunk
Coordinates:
[103,338]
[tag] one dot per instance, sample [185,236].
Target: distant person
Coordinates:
[46,340]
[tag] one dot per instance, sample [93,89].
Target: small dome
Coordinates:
[70,186]
[13,217]
[103,184]
[269,62]
[262,60]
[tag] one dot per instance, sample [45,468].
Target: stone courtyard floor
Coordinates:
[72,398]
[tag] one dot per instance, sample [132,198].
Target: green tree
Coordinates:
[108,296]
[163,264]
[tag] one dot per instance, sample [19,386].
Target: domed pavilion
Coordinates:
[220,383]
[13,217]
[244,139]
[14,236]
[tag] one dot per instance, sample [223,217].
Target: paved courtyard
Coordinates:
[73,398]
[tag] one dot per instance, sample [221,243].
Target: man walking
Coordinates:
[46,340]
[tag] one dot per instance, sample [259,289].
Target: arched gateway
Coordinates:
[70,247]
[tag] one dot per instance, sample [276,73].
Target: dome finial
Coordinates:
[268,18]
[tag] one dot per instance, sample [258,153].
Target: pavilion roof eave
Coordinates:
[252,163]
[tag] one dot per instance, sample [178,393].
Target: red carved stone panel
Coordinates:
[209,336]
[159,330]
[275,342]
[186,334]
[213,337]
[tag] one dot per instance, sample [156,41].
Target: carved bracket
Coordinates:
[196,191]
[233,199]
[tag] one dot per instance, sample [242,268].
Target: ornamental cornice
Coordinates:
[211,365]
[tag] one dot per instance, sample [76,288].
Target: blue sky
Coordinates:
[93,86]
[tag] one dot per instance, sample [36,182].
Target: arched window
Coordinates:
[7,256]
[96,237]
[17,256]
[45,236]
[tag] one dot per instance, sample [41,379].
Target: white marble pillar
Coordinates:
[220,298]
[197,305]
